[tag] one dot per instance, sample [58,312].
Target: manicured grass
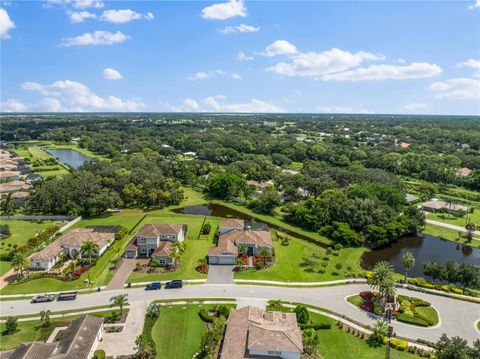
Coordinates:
[178,331]
[275,221]
[29,331]
[35,152]
[191,198]
[456,221]
[127,218]
[4,267]
[289,263]
[77,148]
[356,300]
[21,232]
[450,235]
[428,312]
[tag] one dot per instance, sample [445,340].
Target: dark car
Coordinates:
[67,296]
[174,284]
[42,298]
[153,286]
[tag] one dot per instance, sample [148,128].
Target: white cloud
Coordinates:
[226,10]
[475,5]
[340,109]
[236,77]
[474,64]
[111,74]
[202,75]
[416,70]
[67,95]
[280,47]
[48,104]
[416,106]
[318,64]
[124,16]
[80,16]
[84,4]
[242,57]
[254,105]
[6,24]
[191,104]
[462,88]
[95,38]
[239,28]
[13,105]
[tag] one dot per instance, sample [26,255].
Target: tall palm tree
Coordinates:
[408,261]
[383,279]
[174,256]
[119,301]
[8,205]
[181,247]
[45,317]
[20,262]
[242,248]
[89,249]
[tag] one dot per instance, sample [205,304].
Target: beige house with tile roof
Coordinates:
[253,332]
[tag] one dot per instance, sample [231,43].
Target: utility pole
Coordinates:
[390,332]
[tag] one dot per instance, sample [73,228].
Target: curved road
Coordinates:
[457,317]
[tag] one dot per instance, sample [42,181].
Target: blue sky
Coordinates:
[316,56]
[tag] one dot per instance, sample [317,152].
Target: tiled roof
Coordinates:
[155,230]
[164,249]
[14,186]
[225,247]
[437,204]
[232,223]
[9,173]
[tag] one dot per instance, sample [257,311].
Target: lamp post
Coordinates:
[390,332]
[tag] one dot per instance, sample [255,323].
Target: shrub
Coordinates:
[99,354]
[398,344]
[122,232]
[205,316]
[409,319]
[338,266]
[223,311]
[259,264]
[10,325]
[302,314]
[153,310]
[316,326]
[206,228]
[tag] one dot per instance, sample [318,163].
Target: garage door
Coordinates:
[226,260]
[212,260]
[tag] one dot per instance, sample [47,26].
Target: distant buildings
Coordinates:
[436,205]
[464,172]
[79,341]
[9,176]
[253,332]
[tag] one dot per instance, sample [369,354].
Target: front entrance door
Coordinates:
[250,251]
[150,251]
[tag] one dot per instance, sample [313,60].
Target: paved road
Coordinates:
[457,317]
[450,226]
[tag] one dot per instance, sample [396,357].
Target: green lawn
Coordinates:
[33,330]
[450,235]
[4,267]
[456,221]
[77,148]
[179,330]
[21,232]
[35,152]
[289,263]
[356,300]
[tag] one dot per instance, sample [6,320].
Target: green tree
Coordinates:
[20,262]
[379,332]
[311,340]
[408,261]
[89,249]
[226,185]
[45,317]
[180,247]
[267,201]
[8,205]
[242,248]
[383,279]
[119,301]
[302,314]
[452,348]
[11,325]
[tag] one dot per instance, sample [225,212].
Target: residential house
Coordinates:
[155,241]
[9,176]
[19,198]
[14,186]
[260,186]
[436,205]
[233,235]
[79,341]
[410,197]
[255,333]
[70,243]
[464,172]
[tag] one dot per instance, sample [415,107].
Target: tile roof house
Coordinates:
[233,233]
[155,241]
[464,172]
[9,175]
[79,341]
[253,332]
[435,205]
[69,243]
[14,186]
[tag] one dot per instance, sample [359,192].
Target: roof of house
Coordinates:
[410,197]
[14,186]
[74,238]
[228,242]
[8,166]
[438,204]
[225,247]
[232,223]
[254,328]
[77,342]
[20,194]
[9,174]
[464,172]
[155,230]
[164,249]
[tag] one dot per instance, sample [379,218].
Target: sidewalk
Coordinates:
[300,284]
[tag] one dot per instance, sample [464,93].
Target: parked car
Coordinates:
[67,295]
[153,286]
[42,298]
[174,284]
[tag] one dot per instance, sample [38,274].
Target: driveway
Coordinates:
[220,274]
[124,270]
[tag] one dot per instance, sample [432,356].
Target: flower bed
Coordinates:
[202,268]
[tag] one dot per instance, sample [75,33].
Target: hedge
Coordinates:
[397,343]
[316,326]
[205,316]
[401,317]
[99,354]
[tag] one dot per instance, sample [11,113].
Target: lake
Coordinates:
[424,248]
[71,158]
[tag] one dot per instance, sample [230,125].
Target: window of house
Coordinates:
[274,352]
[143,250]
[162,261]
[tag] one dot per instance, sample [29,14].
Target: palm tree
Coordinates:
[265,253]
[383,279]
[408,261]
[45,317]
[174,256]
[181,247]
[20,262]
[119,301]
[242,248]
[89,249]
[8,206]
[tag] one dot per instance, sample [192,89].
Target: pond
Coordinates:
[71,158]
[424,248]
[217,210]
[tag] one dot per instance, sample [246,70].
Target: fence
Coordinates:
[37,218]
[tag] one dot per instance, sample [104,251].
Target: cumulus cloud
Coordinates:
[243,57]
[80,16]
[67,95]
[416,106]
[226,10]
[203,75]
[239,28]
[236,77]
[416,70]
[95,38]
[84,4]
[475,5]
[463,88]
[124,16]
[279,47]
[340,109]
[6,24]
[473,64]
[13,105]
[217,104]
[111,74]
